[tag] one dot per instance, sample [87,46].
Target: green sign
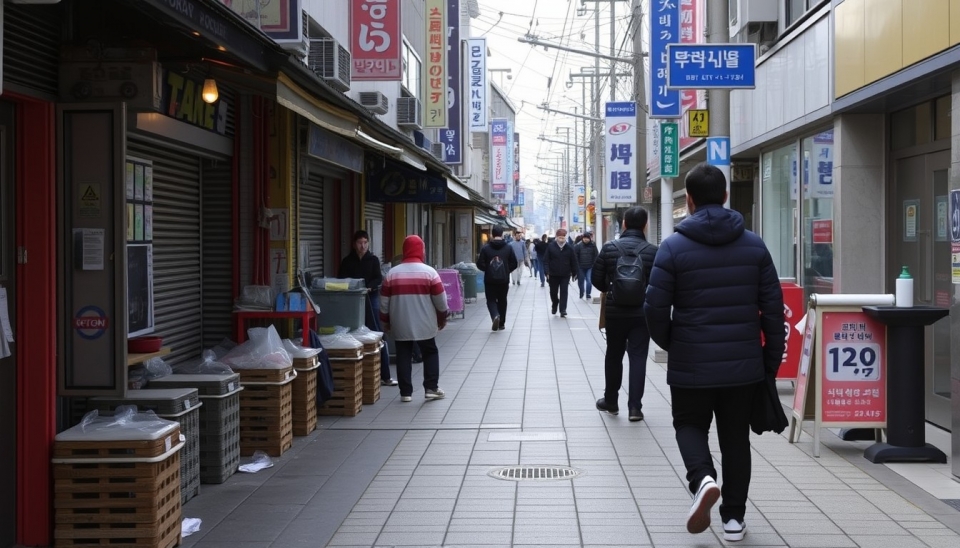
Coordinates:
[669,150]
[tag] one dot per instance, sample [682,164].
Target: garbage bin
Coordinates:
[342,302]
[469,277]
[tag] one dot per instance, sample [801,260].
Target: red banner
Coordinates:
[853,357]
[823,231]
[793,311]
[690,33]
[375,40]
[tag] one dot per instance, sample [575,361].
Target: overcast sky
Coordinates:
[555,21]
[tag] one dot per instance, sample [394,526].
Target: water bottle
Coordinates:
[904,289]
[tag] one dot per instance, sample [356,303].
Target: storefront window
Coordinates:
[779,191]
[818,234]
[411,70]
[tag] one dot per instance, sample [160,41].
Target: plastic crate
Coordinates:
[219,437]
[266,418]
[340,308]
[178,404]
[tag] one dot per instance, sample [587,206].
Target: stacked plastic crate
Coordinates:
[219,421]
[175,404]
[266,410]
[372,343]
[305,395]
[346,362]
[117,482]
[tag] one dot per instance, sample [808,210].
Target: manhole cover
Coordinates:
[534,473]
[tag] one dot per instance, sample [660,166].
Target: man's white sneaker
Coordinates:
[734,530]
[406,398]
[434,394]
[698,520]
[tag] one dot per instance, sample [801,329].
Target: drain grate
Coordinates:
[955,503]
[534,473]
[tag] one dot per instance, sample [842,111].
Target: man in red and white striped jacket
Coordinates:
[413,308]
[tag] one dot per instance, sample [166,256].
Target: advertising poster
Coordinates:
[435,77]
[477,87]
[451,135]
[852,354]
[279,19]
[621,144]
[500,170]
[375,40]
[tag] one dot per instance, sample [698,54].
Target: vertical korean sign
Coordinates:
[669,150]
[499,172]
[436,99]
[477,56]
[509,195]
[451,135]
[690,32]
[375,42]
[516,169]
[621,122]
[664,29]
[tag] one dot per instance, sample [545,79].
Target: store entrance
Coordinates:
[8,361]
[920,240]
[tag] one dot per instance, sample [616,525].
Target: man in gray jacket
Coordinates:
[520,252]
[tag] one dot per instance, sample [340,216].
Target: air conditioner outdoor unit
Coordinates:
[408,112]
[375,101]
[743,13]
[330,61]
[437,150]
[301,48]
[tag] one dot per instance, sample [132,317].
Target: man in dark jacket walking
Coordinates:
[586,251]
[540,247]
[561,264]
[626,326]
[361,263]
[722,286]
[497,260]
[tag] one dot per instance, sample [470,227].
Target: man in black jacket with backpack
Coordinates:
[620,272]
[497,260]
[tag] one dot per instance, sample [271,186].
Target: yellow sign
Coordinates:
[90,206]
[435,68]
[698,123]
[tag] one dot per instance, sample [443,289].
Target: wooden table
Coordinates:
[137,359]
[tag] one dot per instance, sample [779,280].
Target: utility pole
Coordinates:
[718,100]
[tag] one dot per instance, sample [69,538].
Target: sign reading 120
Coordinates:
[853,361]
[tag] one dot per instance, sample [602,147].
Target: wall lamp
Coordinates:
[210,93]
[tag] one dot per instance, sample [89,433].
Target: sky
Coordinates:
[570,23]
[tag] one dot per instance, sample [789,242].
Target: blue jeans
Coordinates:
[584,281]
[540,266]
[373,323]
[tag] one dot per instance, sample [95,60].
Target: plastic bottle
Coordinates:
[904,289]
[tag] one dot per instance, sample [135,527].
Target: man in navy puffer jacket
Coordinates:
[722,286]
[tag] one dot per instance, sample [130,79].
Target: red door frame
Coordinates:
[36,324]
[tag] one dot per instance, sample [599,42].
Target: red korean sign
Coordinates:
[375,40]
[690,33]
[853,356]
[823,231]
[792,313]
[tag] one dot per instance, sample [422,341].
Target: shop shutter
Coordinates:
[311,221]
[217,208]
[373,215]
[31,46]
[177,268]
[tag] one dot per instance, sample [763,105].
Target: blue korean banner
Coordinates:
[450,136]
[389,181]
[711,66]
[477,96]
[664,29]
[621,128]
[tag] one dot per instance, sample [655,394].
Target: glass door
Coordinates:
[921,241]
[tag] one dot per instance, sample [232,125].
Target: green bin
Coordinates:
[469,277]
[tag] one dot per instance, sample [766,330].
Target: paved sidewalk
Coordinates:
[416,474]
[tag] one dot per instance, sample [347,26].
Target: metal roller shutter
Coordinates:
[373,215]
[217,281]
[177,269]
[311,220]
[31,46]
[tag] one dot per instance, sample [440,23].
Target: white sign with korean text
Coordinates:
[477,86]
[621,145]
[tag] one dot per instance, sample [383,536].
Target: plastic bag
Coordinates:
[264,350]
[255,297]
[156,368]
[208,364]
[260,461]
[124,417]
[366,335]
[297,351]
[340,341]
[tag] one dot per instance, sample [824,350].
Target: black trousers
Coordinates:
[431,365]
[626,336]
[497,300]
[693,410]
[558,291]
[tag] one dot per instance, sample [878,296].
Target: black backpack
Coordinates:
[629,282]
[497,269]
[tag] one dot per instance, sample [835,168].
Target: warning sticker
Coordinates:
[90,200]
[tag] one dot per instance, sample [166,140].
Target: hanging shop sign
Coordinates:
[182,100]
[389,181]
[477,56]
[281,20]
[670,150]
[515,195]
[451,135]
[328,147]
[711,66]
[621,129]
[435,106]
[375,40]
[664,29]
[499,170]
[698,123]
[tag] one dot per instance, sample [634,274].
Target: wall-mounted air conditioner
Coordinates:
[375,101]
[408,112]
[746,16]
[330,61]
[437,150]
[301,48]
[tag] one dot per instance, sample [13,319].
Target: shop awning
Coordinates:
[295,98]
[458,188]
[485,219]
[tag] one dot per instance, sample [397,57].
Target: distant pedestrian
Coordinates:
[713,291]
[561,264]
[413,308]
[520,252]
[531,257]
[540,247]
[497,260]
[587,253]
[362,263]
[623,311]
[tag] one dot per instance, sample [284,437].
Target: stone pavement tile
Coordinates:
[889,541]
[440,470]
[684,539]
[416,505]
[493,538]
[413,538]
[374,506]
[852,528]
[418,518]
[495,458]
[354,539]
[523,538]
[816,527]
[408,529]
[807,540]
[254,522]
[480,526]
[613,535]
